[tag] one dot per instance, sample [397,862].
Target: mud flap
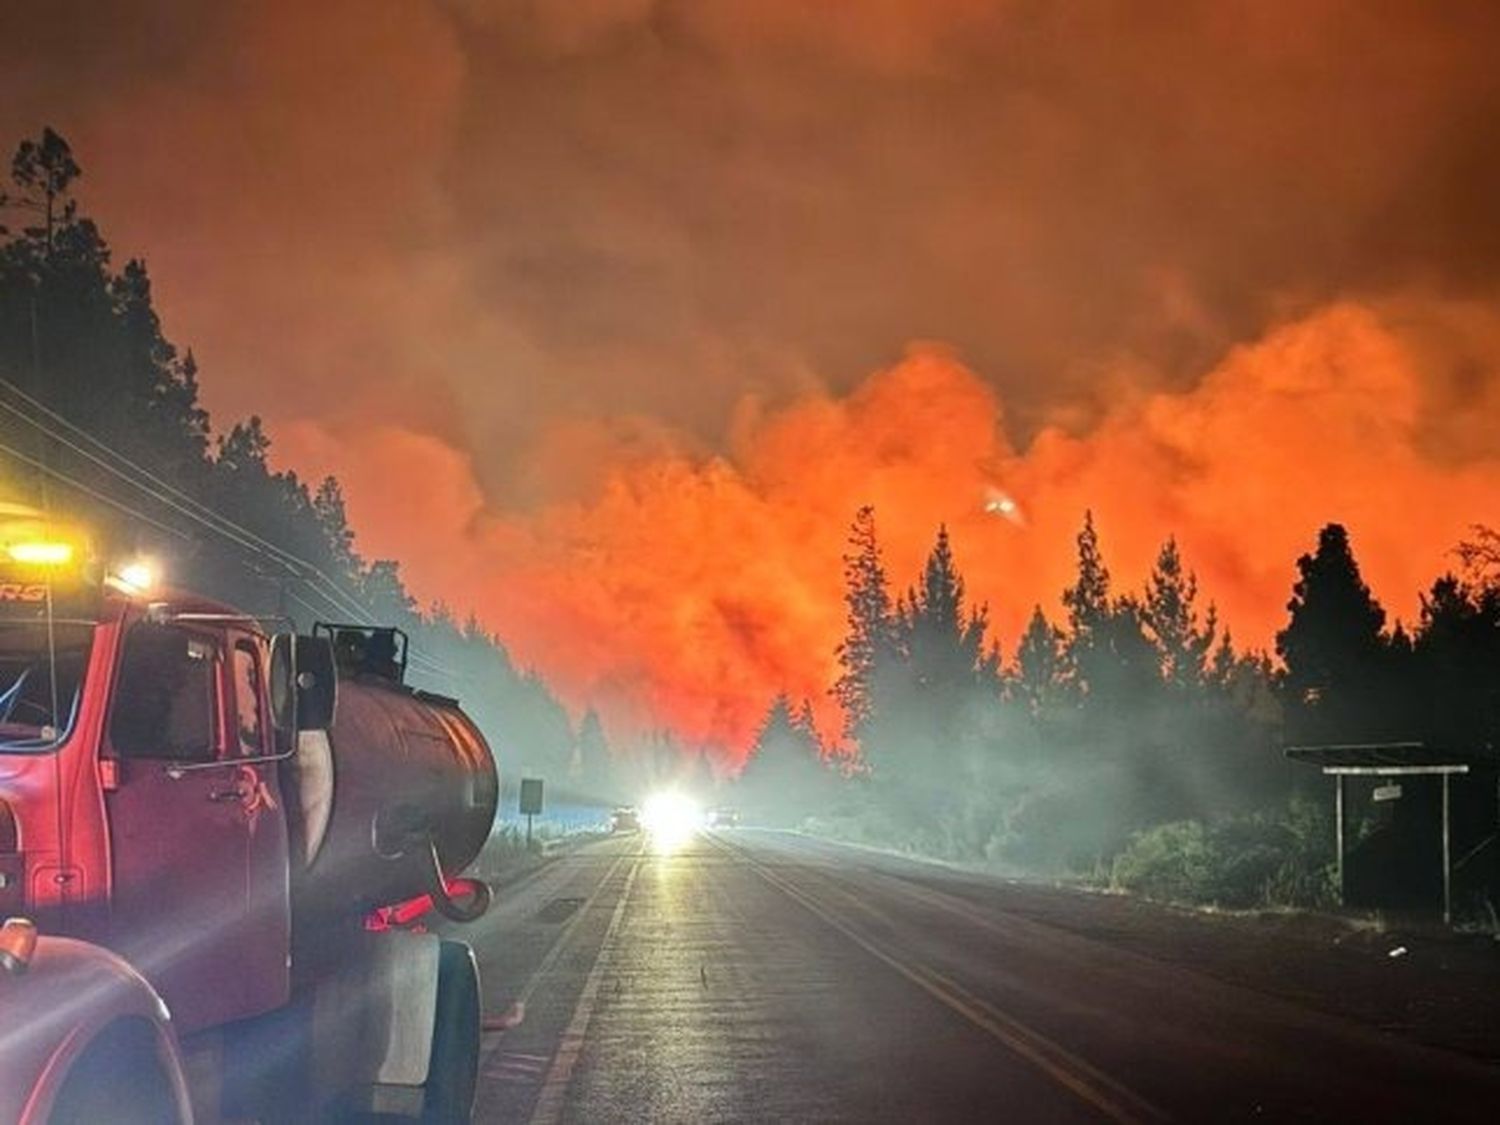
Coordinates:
[373,1020]
[453,1076]
[358,1040]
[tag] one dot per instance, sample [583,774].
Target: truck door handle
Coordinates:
[224,796]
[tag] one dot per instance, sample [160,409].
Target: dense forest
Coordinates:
[100,419]
[1131,742]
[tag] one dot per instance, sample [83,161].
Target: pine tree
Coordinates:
[1222,665]
[1040,670]
[1457,659]
[382,590]
[1113,670]
[243,450]
[1087,600]
[807,725]
[938,693]
[333,520]
[1480,555]
[1088,606]
[779,728]
[868,638]
[784,778]
[1336,624]
[167,430]
[1170,614]
[944,647]
[44,171]
[61,339]
[1333,645]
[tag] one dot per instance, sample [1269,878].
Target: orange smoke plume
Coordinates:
[686,591]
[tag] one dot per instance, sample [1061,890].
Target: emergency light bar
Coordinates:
[41,552]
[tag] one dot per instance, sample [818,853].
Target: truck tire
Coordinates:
[119,1079]
[453,1072]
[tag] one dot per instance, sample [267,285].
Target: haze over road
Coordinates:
[761,976]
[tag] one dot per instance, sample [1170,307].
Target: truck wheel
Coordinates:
[118,1079]
[453,1073]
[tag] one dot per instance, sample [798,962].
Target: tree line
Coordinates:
[100,419]
[1131,738]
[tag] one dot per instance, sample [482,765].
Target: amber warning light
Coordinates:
[41,552]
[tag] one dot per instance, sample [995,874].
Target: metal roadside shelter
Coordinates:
[1391,760]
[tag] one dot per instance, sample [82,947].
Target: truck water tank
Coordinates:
[402,777]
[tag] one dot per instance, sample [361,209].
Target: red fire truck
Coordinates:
[214,840]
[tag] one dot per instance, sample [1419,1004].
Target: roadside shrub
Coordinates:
[1171,861]
[506,844]
[1268,859]
[506,850]
[1307,875]
[1064,828]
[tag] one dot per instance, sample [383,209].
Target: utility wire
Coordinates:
[95,493]
[118,474]
[330,591]
[184,503]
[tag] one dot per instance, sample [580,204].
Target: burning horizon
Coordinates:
[685,590]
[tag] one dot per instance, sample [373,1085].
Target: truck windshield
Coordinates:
[40,682]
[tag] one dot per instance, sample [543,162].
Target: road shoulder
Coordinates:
[1432,987]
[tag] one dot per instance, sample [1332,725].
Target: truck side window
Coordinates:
[164,698]
[247,700]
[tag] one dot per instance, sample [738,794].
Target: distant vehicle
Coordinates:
[724,816]
[625,819]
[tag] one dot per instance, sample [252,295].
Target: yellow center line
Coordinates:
[1080,1078]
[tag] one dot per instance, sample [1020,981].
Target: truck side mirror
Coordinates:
[304,683]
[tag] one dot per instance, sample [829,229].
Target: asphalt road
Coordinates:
[760,976]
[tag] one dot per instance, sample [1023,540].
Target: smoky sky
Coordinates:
[704,195]
[525,243]
[618,207]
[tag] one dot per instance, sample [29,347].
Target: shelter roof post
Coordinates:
[1338,831]
[1447,860]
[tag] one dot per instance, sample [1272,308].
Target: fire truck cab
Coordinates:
[167,818]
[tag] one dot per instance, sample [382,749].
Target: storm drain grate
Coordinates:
[559,910]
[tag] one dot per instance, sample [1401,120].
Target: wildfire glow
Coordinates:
[685,591]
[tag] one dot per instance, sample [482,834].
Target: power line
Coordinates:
[194,510]
[326,587]
[115,472]
[95,493]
